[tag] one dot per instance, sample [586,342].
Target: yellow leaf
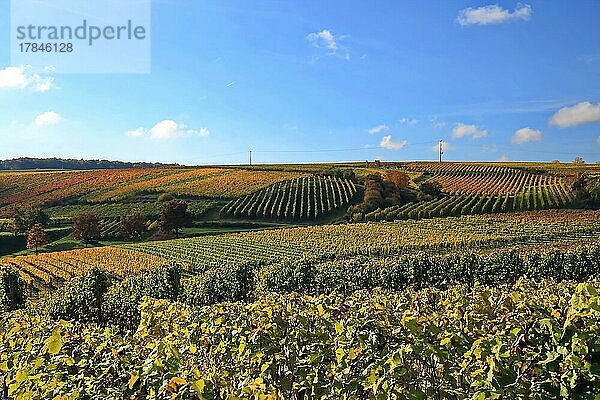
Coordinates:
[54,343]
[178,381]
[198,386]
[339,354]
[133,379]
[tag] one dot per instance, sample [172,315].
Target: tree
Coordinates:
[18,224]
[174,216]
[36,238]
[86,227]
[578,160]
[37,216]
[398,178]
[431,188]
[133,226]
[22,222]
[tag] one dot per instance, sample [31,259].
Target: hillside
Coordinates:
[354,270]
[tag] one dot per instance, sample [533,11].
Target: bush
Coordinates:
[120,305]
[227,283]
[431,188]
[81,298]
[12,289]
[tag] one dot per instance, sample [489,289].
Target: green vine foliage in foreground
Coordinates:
[532,340]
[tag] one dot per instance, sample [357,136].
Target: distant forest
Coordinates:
[59,163]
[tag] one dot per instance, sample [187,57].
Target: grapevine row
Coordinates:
[305,198]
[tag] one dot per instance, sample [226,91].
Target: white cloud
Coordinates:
[18,78]
[493,15]
[13,78]
[378,129]
[525,135]
[581,113]
[408,121]
[168,129]
[49,68]
[598,140]
[388,143]
[503,158]
[325,39]
[48,118]
[136,132]
[489,148]
[204,132]
[462,130]
[436,123]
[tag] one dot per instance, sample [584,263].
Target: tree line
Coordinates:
[61,163]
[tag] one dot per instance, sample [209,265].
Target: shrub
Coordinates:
[174,216]
[86,227]
[132,226]
[431,188]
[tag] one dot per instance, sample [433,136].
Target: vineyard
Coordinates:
[457,178]
[435,236]
[204,252]
[50,270]
[363,346]
[380,239]
[117,210]
[488,289]
[528,199]
[298,199]
[29,189]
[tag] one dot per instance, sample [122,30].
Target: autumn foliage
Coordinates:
[86,227]
[36,237]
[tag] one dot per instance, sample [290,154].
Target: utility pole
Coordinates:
[250,157]
[441,149]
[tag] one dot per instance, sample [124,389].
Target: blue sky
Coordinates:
[304,81]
